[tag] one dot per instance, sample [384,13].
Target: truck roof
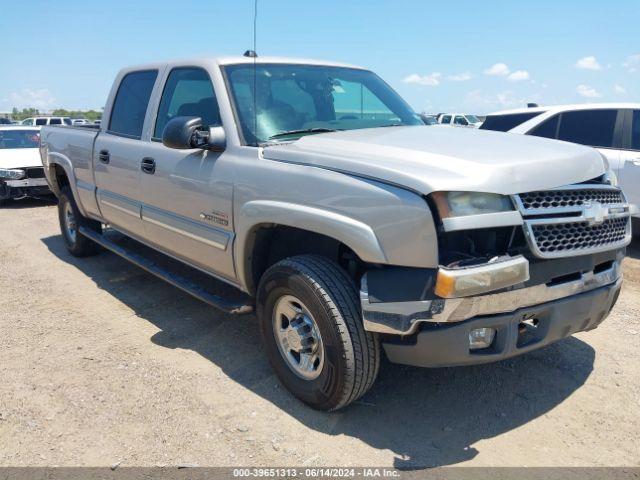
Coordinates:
[239,59]
[559,108]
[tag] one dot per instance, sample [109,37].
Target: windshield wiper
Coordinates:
[303,131]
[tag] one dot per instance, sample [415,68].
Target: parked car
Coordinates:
[428,119]
[40,121]
[21,171]
[612,128]
[80,121]
[5,121]
[97,122]
[459,120]
[306,187]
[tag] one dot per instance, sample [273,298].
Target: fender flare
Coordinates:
[355,234]
[55,158]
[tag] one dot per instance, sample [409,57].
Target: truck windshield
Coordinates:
[290,101]
[19,139]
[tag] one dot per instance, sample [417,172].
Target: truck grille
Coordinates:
[575,220]
[569,198]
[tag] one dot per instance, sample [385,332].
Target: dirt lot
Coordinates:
[101,363]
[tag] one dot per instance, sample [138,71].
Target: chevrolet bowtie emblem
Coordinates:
[595,213]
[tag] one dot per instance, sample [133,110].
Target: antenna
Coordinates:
[255,55]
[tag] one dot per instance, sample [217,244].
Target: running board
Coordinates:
[174,272]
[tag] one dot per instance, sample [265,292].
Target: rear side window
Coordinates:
[460,120]
[588,127]
[55,121]
[546,129]
[635,130]
[446,119]
[504,123]
[41,121]
[188,92]
[67,121]
[130,105]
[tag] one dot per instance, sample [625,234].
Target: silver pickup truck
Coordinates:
[319,196]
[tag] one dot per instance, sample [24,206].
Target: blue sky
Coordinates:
[476,56]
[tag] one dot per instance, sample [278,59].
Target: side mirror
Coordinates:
[189,132]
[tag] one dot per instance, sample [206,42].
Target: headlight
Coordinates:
[460,204]
[611,178]
[12,174]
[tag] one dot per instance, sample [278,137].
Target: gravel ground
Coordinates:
[102,363]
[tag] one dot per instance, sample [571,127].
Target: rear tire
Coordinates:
[70,222]
[309,313]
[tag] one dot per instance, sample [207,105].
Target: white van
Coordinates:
[40,121]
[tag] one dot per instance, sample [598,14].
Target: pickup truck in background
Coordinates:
[313,193]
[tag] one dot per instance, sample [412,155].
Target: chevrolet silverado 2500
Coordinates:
[318,194]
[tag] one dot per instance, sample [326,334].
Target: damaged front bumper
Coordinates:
[388,306]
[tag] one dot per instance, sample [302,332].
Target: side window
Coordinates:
[130,105]
[28,121]
[55,121]
[588,127]
[446,119]
[41,121]
[546,129]
[187,92]
[460,120]
[67,121]
[504,123]
[635,130]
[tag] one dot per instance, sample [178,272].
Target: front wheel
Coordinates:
[310,320]
[70,222]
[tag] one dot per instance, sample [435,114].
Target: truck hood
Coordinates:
[427,159]
[19,158]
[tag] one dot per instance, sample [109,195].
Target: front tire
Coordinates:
[310,320]
[70,222]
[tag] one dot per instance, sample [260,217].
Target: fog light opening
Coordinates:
[480,338]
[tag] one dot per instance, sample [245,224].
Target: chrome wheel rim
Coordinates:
[298,337]
[70,223]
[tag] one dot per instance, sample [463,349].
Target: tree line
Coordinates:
[58,112]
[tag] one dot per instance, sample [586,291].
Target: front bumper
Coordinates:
[549,281]
[27,183]
[26,187]
[444,345]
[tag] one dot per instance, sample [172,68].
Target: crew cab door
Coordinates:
[629,171]
[118,150]
[187,194]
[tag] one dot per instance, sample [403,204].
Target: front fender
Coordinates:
[358,236]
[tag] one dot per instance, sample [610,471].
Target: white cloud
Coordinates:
[518,76]
[460,77]
[632,63]
[619,89]
[27,98]
[587,91]
[431,80]
[588,63]
[497,69]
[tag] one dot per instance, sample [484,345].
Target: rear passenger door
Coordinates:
[187,196]
[118,151]
[629,171]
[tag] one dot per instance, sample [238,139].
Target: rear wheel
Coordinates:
[70,222]
[310,320]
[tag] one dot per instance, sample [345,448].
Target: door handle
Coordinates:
[103,156]
[148,165]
